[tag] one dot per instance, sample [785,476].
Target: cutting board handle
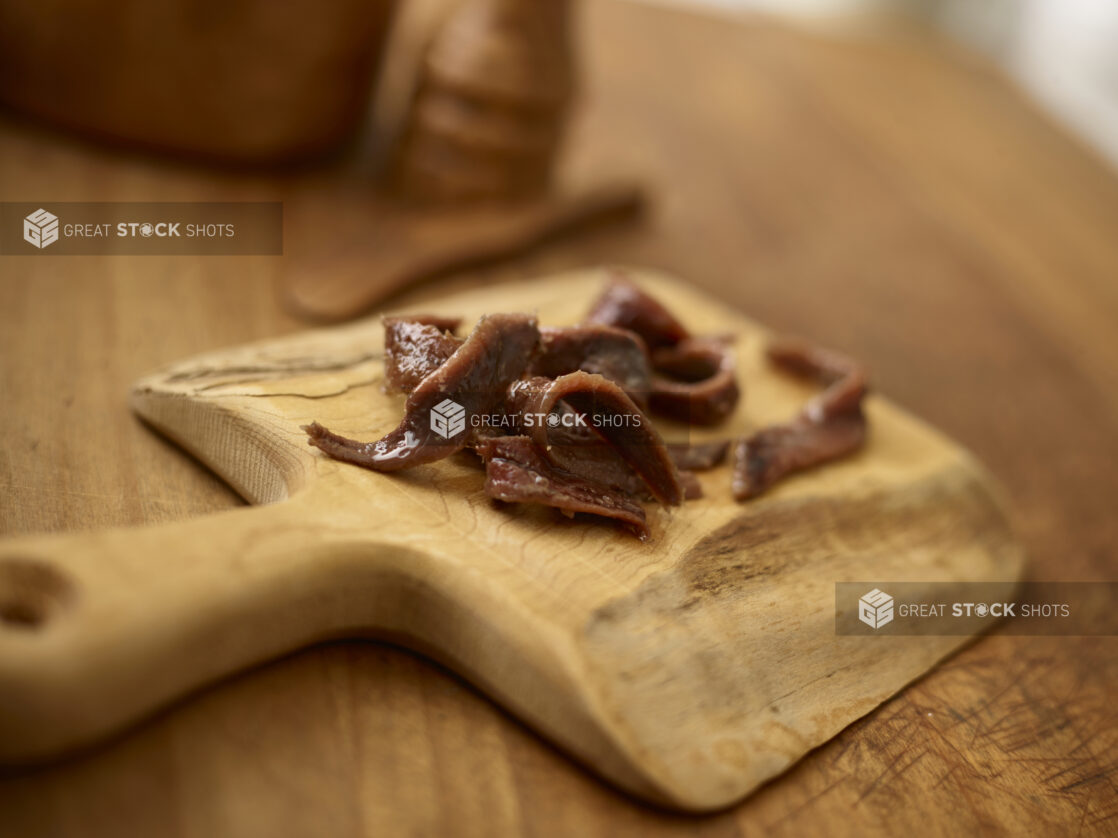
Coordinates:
[100,628]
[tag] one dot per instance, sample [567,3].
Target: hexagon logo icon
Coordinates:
[448,418]
[875,609]
[40,228]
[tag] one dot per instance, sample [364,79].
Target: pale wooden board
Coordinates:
[688,669]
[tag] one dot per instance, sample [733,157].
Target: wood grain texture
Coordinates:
[687,669]
[891,197]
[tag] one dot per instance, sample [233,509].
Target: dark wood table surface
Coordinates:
[885,193]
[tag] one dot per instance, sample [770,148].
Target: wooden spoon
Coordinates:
[367,246]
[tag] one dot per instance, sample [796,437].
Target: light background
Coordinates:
[1064,53]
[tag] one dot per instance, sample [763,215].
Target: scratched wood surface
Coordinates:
[887,195]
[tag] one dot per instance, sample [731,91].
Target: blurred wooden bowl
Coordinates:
[242,80]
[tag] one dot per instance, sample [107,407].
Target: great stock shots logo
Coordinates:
[158,228]
[40,228]
[875,609]
[448,418]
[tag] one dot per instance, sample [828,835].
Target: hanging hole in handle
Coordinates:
[32,592]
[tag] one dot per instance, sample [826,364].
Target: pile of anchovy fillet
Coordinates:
[564,410]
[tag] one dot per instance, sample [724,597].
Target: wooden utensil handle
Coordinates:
[97,629]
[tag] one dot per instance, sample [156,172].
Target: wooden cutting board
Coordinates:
[688,669]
